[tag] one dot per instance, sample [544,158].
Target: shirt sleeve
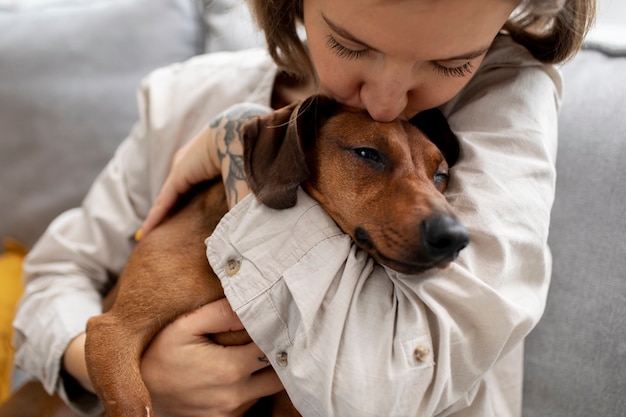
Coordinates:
[349,337]
[75,262]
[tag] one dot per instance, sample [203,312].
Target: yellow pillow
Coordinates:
[10,292]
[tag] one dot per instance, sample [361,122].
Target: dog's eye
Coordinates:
[441,179]
[369,154]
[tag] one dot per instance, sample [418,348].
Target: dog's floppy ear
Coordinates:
[273,160]
[435,126]
[274,147]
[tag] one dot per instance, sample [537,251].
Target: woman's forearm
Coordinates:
[74,362]
[226,147]
[216,150]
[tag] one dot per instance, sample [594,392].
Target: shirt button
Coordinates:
[232,267]
[421,353]
[281,358]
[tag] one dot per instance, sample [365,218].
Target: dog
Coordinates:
[382,183]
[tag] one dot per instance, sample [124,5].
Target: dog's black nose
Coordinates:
[443,237]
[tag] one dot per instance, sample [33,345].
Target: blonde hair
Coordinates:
[552,30]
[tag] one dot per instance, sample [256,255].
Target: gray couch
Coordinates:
[576,357]
[68,73]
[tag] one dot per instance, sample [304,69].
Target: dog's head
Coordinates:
[382,183]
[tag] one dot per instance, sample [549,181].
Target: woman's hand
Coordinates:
[188,375]
[195,162]
[216,150]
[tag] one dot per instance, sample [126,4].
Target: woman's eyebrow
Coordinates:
[467,56]
[345,34]
[350,37]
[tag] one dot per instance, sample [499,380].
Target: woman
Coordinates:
[448,343]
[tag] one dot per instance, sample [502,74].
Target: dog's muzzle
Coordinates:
[443,237]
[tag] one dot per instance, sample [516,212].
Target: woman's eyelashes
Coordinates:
[458,71]
[352,54]
[344,52]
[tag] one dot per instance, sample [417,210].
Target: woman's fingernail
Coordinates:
[138,234]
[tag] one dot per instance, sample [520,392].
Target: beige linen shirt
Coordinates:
[346,336]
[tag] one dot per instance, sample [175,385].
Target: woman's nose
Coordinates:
[385,95]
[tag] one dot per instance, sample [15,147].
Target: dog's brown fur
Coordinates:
[381,182]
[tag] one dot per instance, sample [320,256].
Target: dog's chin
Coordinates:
[408,268]
[413,266]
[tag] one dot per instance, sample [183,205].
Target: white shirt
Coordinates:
[347,337]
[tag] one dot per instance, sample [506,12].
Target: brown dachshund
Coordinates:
[381,182]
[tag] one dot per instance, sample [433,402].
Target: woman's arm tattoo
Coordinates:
[229,137]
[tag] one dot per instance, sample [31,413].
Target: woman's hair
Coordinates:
[552,30]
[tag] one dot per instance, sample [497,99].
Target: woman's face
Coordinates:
[396,58]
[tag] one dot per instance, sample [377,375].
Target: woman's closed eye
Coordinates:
[462,70]
[343,51]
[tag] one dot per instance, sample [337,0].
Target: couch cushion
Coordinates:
[576,358]
[68,75]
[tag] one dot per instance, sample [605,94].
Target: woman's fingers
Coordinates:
[245,359]
[214,317]
[218,317]
[165,201]
[264,383]
[188,374]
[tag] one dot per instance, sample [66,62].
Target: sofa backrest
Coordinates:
[69,71]
[575,360]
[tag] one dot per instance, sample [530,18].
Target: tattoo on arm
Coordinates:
[229,136]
